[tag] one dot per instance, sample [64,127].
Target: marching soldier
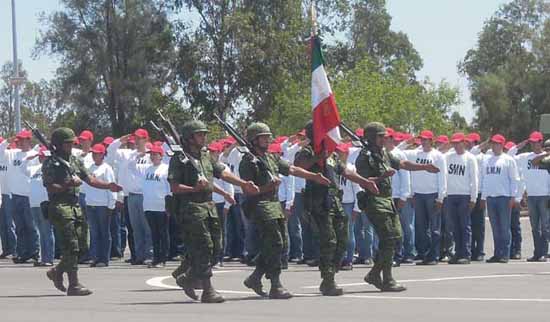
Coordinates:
[191,182]
[265,208]
[374,163]
[62,175]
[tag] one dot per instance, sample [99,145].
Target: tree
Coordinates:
[114,55]
[508,69]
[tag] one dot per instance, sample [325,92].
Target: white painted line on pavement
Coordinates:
[474,299]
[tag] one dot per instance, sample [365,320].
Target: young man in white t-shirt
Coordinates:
[462,190]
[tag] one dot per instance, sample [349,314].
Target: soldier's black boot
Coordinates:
[390,285]
[209,294]
[254,282]
[188,285]
[75,288]
[373,278]
[56,276]
[329,287]
[277,291]
[179,273]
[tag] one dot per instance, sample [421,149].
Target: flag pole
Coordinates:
[313,20]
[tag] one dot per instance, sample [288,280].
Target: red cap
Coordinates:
[42,151]
[86,135]
[24,134]
[344,147]
[275,148]
[509,145]
[442,139]
[216,146]
[473,137]
[360,132]
[141,133]
[230,140]
[498,138]
[98,148]
[536,137]
[458,137]
[398,136]
[132,139]
[302,132]
[156,149]
[108,140]
[406,136]
[390,132]
[427,135]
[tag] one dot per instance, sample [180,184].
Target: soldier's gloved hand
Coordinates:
[431,168]
[250,188]
[201,185]
[321,179]
[114,187]
[370,186]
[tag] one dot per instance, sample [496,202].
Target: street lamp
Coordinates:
[15,80]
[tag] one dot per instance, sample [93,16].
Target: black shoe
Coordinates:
[136,262]
[396,264]
[493,259]
[75,288]
[301,262]
[359,261]
[255,284]
[4,255]
[427,263]
[407,261]
[374,280]
[541,259]
[56,276]
[346,267]
[330,288]
[463,261]
[392,286]
[313,263]
[418,258]
[516,256]
[479,258]
[453,261]
[502,261]
[129,260]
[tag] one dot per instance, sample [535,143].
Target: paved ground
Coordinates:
[477,292]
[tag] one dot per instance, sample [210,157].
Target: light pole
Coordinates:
[16,80]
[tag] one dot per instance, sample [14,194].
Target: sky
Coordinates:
[441,30]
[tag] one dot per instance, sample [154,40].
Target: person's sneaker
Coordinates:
[301,262]
[101,264]
[129,260]
[4,255]
[516,256]
[493,259]
[374,280]
[136,262]
[444,259]
[418,258]
[537,259]
[453,261]
[346,267]
[312,263]
[407,261]
[427,263]
[502,261]
[479,258]
[369,262]
[396,264]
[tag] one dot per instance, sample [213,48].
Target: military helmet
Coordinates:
[191,127]
[256,129]
[374,129]
[63,135]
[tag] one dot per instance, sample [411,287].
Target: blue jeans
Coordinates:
[406,247]
[250,234]
[27,234]
[478,229]
[7,227]
[143,242]
[458,212]
[234,234]
[296,244]
[515,229]
[99,219]
[447,237]
[116,234]
[500,218]
[158,222]
[47,239]
[540,224]
[427,226]
[348,210]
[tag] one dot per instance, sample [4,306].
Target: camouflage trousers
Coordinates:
[388,228]
[73,240]
[333,238]
[273,242]
[202,239]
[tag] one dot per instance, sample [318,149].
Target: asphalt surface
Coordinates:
[477,292]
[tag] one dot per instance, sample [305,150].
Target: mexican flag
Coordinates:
[326,118]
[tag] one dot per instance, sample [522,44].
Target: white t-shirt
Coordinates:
[18,182]
[500,177]
[39,193]
[233,160]
[424,182]
[99,197]
[401,180]
[537,181]
[155,187]
[462,175]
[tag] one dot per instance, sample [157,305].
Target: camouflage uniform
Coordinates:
[65,214]
[325,206]
[196,217]
[380,209]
